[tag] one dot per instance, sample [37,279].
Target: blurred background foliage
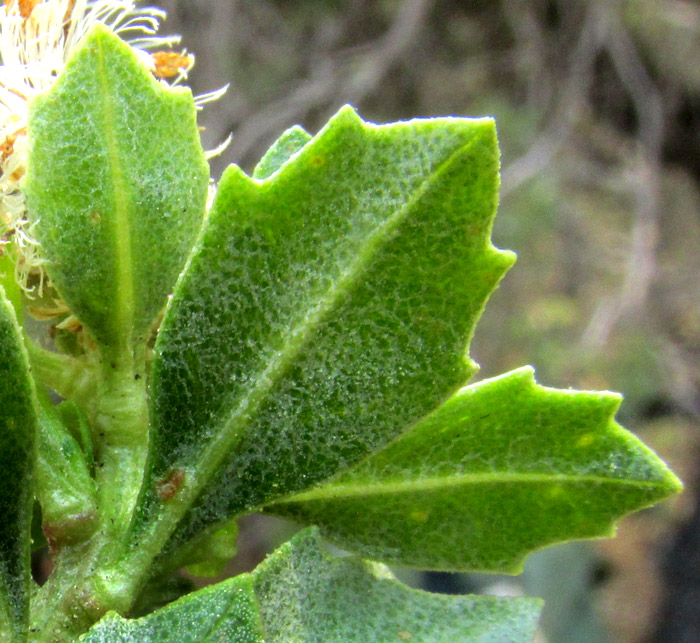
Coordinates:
[598,107]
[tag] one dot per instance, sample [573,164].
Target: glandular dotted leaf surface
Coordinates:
[226,612]
[504,467]
[325,309]
[117,186]
[302,595]
[354,601]
[18,425]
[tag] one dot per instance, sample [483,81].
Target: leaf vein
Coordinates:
[220,446]
[333,492]
[124,287]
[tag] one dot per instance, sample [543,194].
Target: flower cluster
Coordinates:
[36,39]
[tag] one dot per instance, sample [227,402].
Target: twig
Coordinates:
[541,153]
[335,79]
[648,105]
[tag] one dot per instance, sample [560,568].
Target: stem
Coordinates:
[76,594]
[61,610]
[122,422]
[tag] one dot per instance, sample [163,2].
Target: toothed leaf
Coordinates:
[281,151]
[324,310]
[117,186]
[301,595]
[502,468]
[350,600]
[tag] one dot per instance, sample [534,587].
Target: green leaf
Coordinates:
[349,600]
[224,612]
[65,487]
[74,420]
[161,591]
[291,142]
[117,185]
[17,444]
[503,468]
[37,535]
[210,556]
[323,311]
[302,595]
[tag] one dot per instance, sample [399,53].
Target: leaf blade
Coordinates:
[17,444]
[316,249]
[291,142]
[65,487]
[115,215]
[504,467]
[223,612]
[347,599]
[300,594]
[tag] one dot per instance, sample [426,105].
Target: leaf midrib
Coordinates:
[124,286]
[413,485]
[219,447]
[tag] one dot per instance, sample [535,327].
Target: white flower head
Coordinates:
[36,39]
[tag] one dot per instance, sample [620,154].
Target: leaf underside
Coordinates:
[503,468]
[119,194]
[301,595]
[324,310]
[17,438]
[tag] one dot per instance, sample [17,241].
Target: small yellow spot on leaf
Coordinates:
[556,491]
[419,516]
[585,440]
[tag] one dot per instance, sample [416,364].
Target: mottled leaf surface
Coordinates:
[223,613]
[302,595]
[504,467]
[354,601]
[17,444]
[324,310]
[117,183]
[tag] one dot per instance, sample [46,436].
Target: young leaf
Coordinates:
[504,467]
[117,185]
[299,594]
[17,440]
[65,487]
[207,555]
[324,309]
